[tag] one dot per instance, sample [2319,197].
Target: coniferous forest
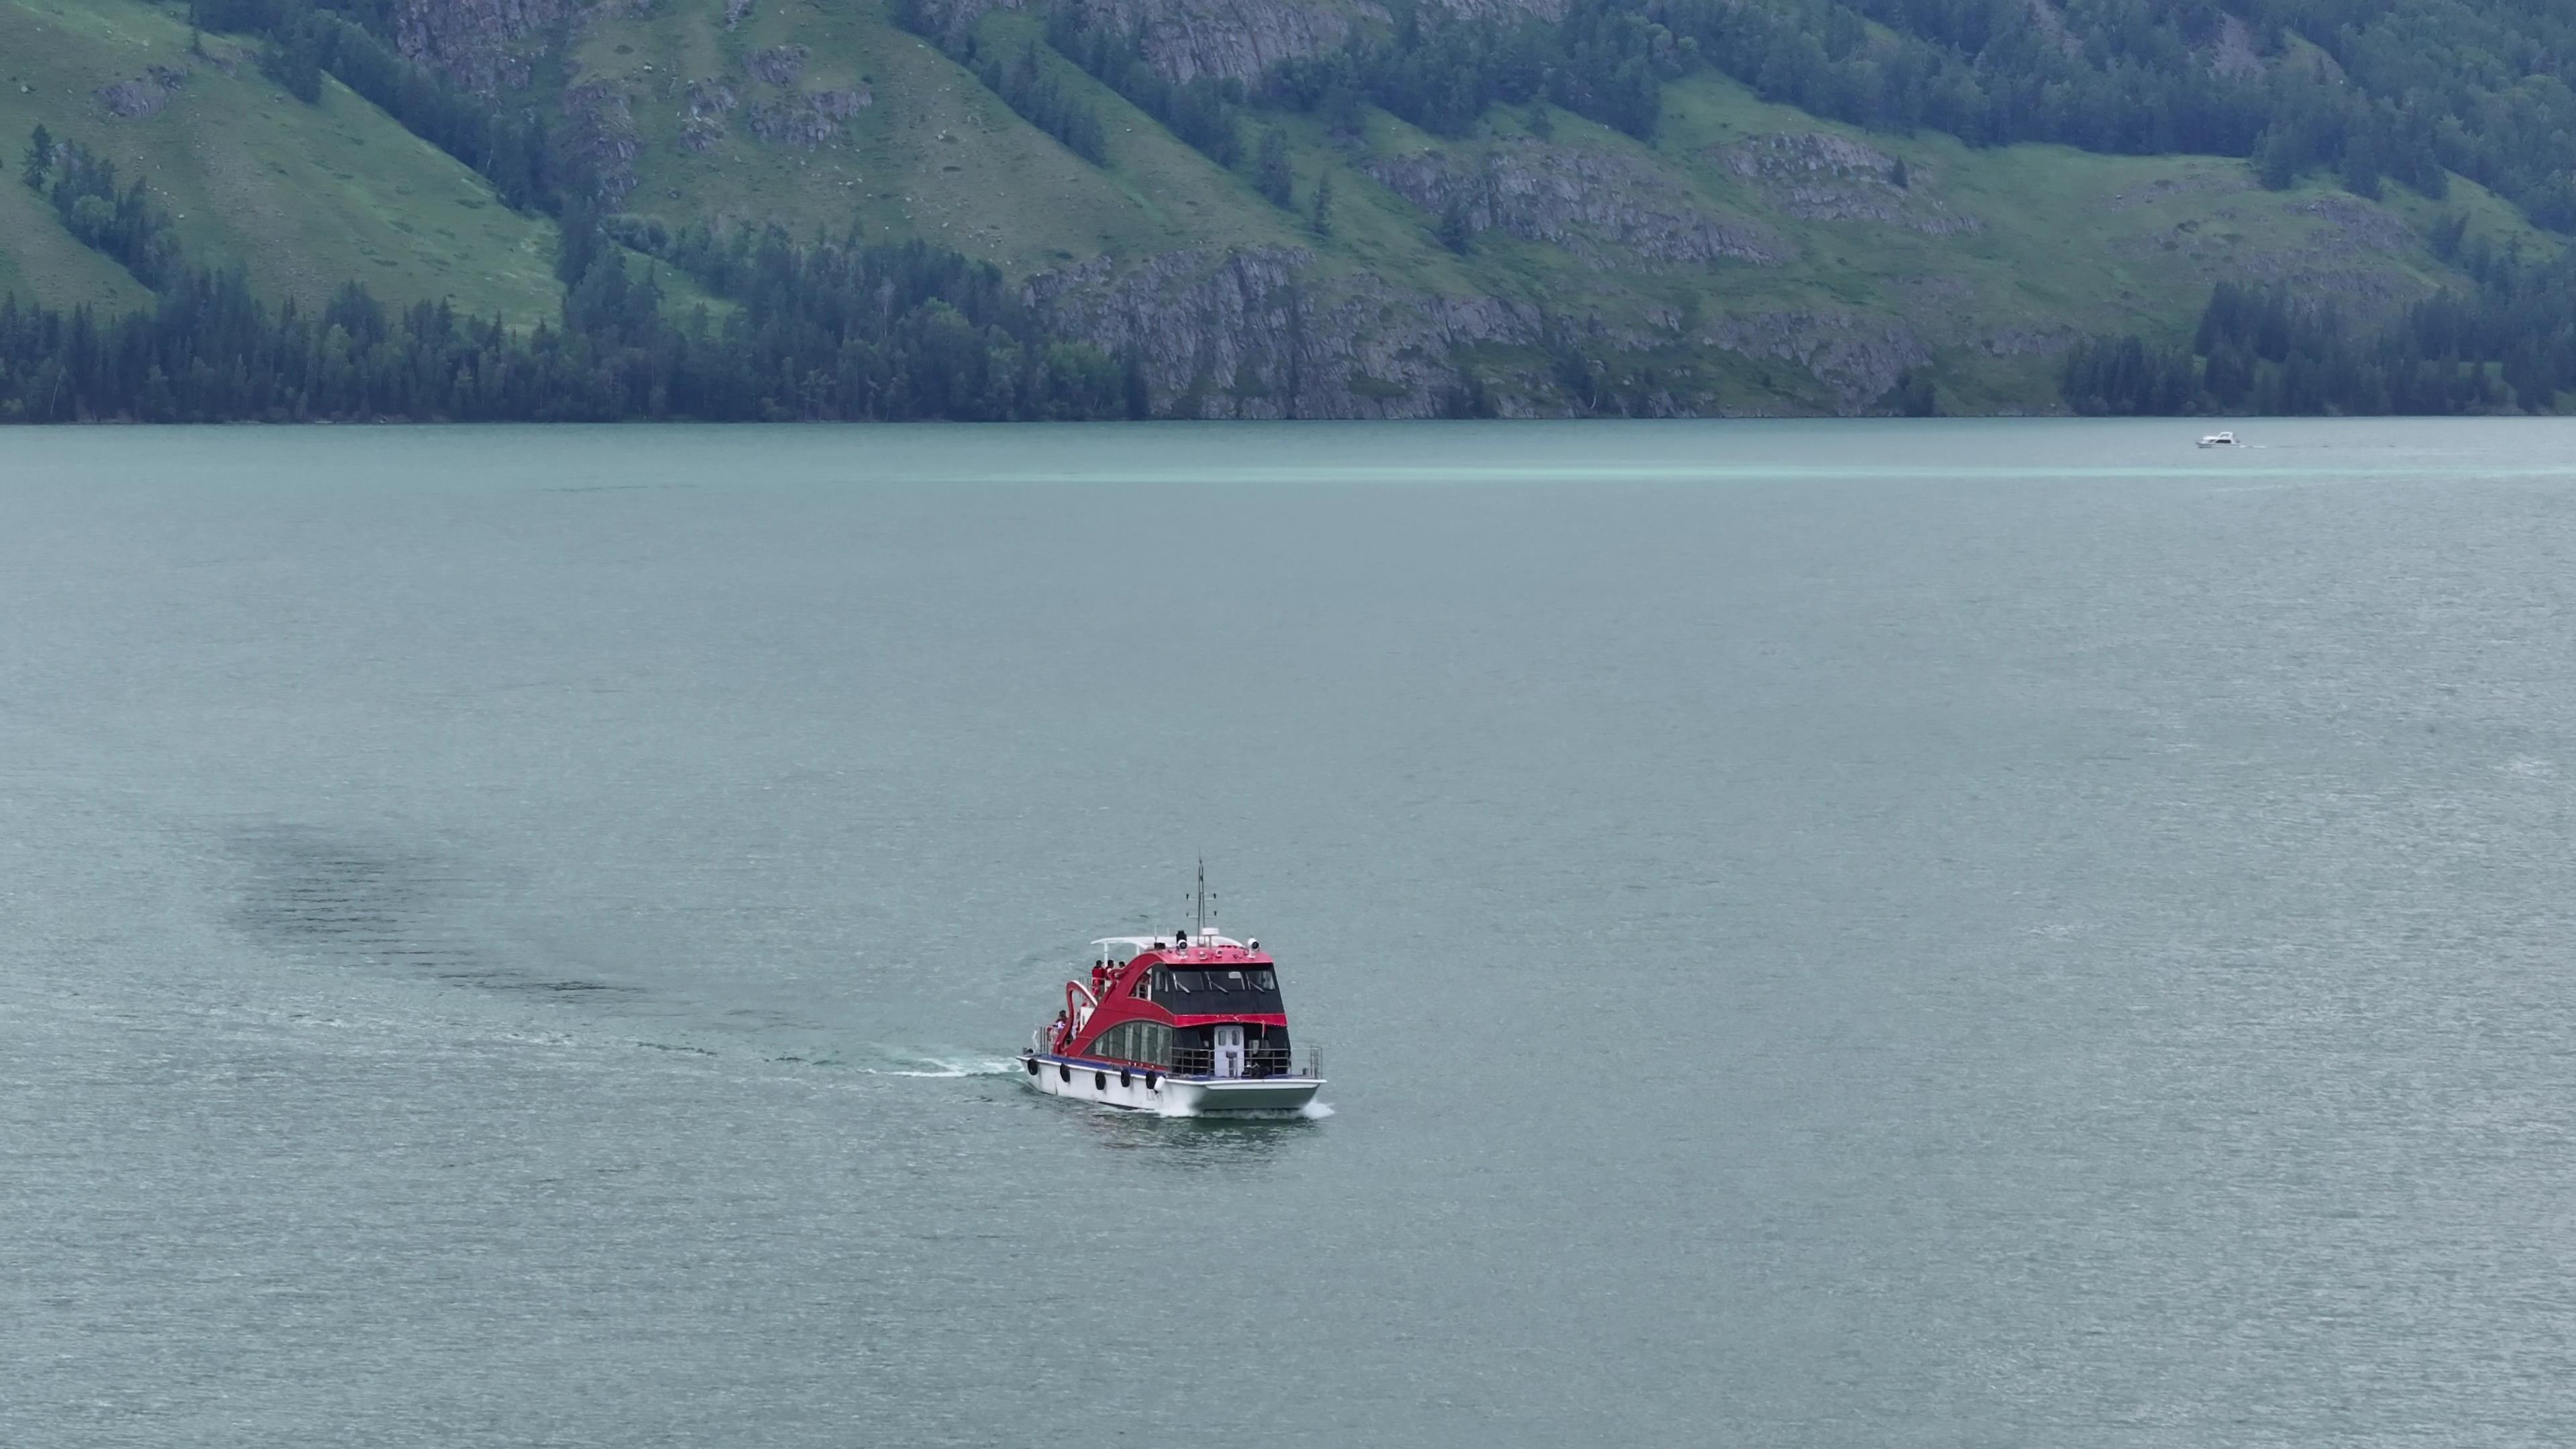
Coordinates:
[825,332]
[2508,347]
[816,331]
[2371,94]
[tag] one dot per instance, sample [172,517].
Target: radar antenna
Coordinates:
[1203,896]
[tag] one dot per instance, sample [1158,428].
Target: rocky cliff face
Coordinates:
[1245,334]
[144,95]
[1238,39]
[1227,39]
[1819,177]
[485,45]
[805,119]
[1858,358]
[1595,204]
[1248,334]
[1186,39]
[601,131]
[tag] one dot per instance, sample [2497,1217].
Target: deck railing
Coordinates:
[1257,1063]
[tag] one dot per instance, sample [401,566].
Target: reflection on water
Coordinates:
[1194,1144]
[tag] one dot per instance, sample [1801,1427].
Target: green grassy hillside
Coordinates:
[306,197]
[1756,255]
[1988,260]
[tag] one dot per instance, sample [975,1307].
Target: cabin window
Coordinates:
[1264,981]
[1148,1043]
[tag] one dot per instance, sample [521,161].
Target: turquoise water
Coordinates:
[1822,933]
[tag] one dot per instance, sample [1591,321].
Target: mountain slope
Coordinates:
[1763,257]
[1748,257]
[306,197]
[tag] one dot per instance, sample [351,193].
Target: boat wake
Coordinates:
[936,1067]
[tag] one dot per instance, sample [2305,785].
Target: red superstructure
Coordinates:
[1184,1024]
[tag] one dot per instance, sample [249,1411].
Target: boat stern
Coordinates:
[1232,1096]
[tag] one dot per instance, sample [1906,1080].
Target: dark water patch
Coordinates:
[337,895]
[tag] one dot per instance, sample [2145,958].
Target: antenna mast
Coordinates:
[1202,895]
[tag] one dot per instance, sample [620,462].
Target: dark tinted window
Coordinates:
[1209,991]
[1148,1042]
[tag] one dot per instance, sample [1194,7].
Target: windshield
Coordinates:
[1201,990]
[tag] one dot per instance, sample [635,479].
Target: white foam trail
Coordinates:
[941,1068]
[1316,1111]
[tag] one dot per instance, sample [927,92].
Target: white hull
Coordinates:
[1168,1096]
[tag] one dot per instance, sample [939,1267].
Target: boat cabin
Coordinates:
[1190,1004]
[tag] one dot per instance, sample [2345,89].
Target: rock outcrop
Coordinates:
[145,95]
[1593,203]
[483,45]
[1250,333]
[1234,39]
[1244,333]
[805,119]
[1857,357]
[780,65]
[1816,176]
[710,100]
[602,134]
[1227,39]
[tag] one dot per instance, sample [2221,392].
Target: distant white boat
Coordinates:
[2218,440]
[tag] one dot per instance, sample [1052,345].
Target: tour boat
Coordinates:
[1189,1024]
[2218,440]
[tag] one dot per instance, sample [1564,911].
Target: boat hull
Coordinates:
[1088,1081]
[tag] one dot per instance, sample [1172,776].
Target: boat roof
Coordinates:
[1186,946]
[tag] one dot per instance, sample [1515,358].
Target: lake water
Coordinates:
[1959,933]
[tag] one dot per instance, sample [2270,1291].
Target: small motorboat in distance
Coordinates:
[1186,1025]
[2218,440]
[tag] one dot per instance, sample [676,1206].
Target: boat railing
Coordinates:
[1257,1063]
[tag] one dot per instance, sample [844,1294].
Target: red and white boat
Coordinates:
[1186,1025]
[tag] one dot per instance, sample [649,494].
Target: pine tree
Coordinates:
[40,158]
[1321,217]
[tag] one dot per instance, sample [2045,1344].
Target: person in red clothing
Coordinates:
[1055,1034]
